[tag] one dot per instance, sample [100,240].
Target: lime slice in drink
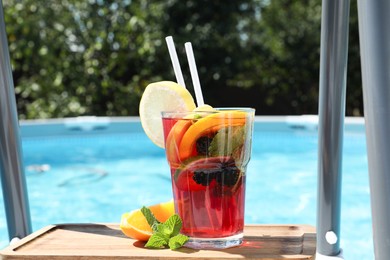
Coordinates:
[205,108]
[158,97]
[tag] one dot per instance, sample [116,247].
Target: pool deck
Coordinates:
[106,241]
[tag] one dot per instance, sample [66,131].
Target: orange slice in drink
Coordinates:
[173,141]
[177,132]
[134,225]
[206,125]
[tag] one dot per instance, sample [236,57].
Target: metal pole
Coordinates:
[11,166]
[333,70]
[374,33]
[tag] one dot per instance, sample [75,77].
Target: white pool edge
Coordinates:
[86,125]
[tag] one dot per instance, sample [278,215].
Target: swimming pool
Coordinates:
[94,169]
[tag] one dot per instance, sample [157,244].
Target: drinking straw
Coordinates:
[194,74]
[175,60]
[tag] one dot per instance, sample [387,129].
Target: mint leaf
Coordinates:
[177,241]
[150,218]
[164,234]
[164,230]
[173,225]
[157,241]
[227,141]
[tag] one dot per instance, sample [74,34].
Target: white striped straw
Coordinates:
[194,74]
[175,61]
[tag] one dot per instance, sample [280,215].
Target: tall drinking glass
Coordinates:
[208,153]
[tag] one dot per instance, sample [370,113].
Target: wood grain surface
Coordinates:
[106,241]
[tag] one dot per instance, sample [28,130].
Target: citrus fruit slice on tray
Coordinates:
[163,211]
[158,97]
[134,224]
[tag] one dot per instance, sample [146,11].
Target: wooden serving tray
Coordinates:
[106,241]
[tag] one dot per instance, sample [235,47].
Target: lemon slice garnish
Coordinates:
[158,97]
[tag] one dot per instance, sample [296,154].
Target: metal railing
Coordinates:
[333,76]
[11,163]
[374,34]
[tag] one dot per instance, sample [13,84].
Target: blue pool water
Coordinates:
[95,175]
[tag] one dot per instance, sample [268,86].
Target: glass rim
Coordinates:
[218,109]
[248,110]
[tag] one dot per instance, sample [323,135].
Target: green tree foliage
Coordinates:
[95,57]
[354,104]
[82,57]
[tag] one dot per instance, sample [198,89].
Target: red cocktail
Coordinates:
[208,153]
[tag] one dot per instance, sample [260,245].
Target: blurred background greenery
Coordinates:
[95,57]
